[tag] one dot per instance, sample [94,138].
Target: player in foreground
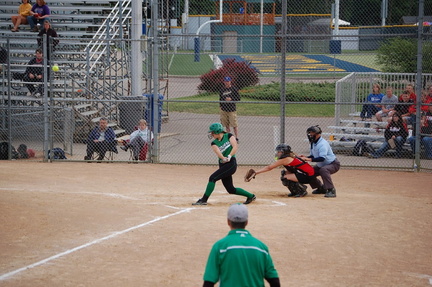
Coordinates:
[296,174]
[224,146]
[239,259]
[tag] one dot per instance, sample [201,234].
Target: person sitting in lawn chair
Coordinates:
[138,139]
[101,139]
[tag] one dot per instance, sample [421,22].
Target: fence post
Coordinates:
[419,78]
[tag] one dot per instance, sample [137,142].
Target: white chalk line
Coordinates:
[117,233]
[278,203]
[425,276]
[110,194]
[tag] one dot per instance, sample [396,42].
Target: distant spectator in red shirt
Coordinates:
[410,89]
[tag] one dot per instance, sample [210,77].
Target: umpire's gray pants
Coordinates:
[325,172]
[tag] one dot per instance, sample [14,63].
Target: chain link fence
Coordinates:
[317,70]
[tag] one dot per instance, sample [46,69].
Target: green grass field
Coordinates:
[367,60]
[208,105]
[184,65]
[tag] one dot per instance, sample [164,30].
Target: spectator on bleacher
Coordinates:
[429,95]
[426,131]
[388,103]
[423,108]
[395,136]
[21,18]
[410,89]
[101,139]
[138,139]
[403,106]
[372,105]
[38,14]
[34,73]
[51,33]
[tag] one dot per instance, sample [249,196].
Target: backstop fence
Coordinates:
[313,74]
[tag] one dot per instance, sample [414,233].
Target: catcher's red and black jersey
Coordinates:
[301,166]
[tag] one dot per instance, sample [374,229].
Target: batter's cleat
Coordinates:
[250,199]
[200,202]
[292,194]
[319,190]
[330,193]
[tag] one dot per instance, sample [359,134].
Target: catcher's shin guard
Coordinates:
[282,176]
[296,188]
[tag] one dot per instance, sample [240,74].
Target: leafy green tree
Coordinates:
[399,55]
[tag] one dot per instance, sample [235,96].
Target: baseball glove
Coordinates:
[250,174]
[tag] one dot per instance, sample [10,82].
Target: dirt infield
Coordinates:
[80,224]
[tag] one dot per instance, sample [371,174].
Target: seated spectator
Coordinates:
[424,108]
[412,95]
[51,33]
[23,11]
[395,136]
[138,139]
[372,105]
[101,139]
[429,94]
[388,103]
[426,134]
[34,73]
[38,14]
[403,106]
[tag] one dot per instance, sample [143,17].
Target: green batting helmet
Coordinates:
[216,128]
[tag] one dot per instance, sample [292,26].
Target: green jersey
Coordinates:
[239,260]
[224,145]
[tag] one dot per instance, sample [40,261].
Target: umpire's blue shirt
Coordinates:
[322,149]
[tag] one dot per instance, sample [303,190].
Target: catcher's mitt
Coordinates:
[250,174]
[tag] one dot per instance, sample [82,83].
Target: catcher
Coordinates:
[296,174]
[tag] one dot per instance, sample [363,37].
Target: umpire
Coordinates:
[326,162]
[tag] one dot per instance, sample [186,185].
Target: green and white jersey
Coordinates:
[238,260]
[224,145]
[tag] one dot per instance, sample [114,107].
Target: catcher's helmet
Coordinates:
[314,129]
[284,148]
[216,128]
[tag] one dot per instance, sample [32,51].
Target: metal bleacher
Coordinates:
[93,68]
[351,91]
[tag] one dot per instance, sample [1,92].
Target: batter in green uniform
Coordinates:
[224,146]
[239,259]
